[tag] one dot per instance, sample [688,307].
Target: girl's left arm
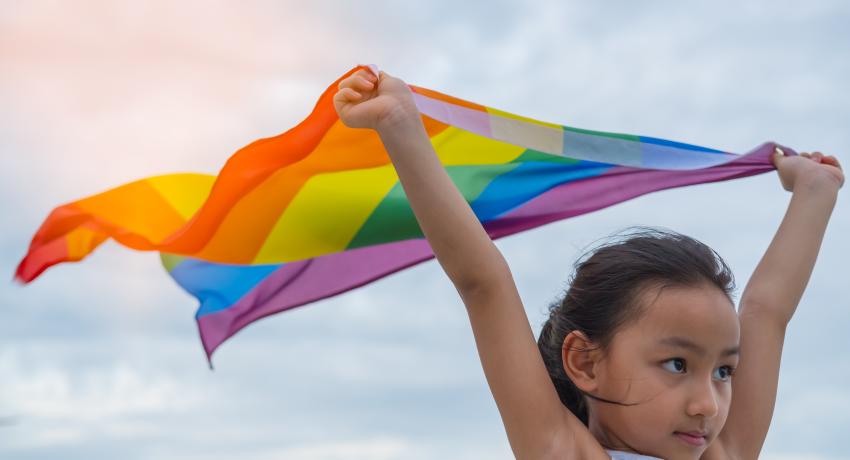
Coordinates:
[772,294]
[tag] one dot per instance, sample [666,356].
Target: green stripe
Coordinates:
[536,155]
[393,219]
[169,261]
[627,137]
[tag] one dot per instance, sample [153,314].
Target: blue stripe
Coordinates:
[527,181]
[218,286]
[679,145]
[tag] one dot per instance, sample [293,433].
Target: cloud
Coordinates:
[58,406]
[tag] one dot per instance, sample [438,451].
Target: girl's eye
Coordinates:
[678,366]
[724,376]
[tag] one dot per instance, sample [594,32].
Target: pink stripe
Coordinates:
[306,281]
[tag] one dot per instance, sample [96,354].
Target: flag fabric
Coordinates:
[319,210]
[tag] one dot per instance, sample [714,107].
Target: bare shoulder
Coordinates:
[575,442]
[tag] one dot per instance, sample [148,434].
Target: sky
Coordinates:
[101,359]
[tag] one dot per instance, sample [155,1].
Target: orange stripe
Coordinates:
[252,165]
[237,209]
[135,214]
[244,230]
[450,99]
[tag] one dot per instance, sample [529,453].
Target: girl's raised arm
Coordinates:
[537,424]
[772,294]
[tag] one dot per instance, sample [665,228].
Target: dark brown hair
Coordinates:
[603,292]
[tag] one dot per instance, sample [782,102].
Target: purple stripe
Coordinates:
[299,283]
[622,183]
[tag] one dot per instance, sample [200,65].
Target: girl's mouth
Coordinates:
[690,439]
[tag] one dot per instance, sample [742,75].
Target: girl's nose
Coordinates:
[703,399]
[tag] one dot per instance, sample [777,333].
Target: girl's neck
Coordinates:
[613,444]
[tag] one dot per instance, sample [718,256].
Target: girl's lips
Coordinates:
[691,439]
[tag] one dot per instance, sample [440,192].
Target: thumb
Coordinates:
[778,156]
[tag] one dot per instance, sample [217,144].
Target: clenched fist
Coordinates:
[814,168]
[367,101]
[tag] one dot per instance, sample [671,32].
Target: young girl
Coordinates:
[636,360]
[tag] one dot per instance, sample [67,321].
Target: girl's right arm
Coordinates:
[773,293]
[538,425]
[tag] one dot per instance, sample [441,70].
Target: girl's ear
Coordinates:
[579,356]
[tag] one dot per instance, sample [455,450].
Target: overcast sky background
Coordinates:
[101,360]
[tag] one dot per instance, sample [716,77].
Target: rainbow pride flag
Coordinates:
[318,210]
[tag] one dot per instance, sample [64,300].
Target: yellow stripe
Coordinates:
[534,134]
[455,146]
[184,192]
[326,214]
[81,241]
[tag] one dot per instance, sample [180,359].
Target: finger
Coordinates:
[363,84]
[346,82]
[365,74]
[817,156]
[828,161]
[806,155]
[777,154]
[831,160]
[350,95]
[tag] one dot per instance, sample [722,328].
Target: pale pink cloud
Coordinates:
[99,93]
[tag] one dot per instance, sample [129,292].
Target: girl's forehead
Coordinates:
[704,314]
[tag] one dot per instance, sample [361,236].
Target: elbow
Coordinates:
[763,309]
[484,280]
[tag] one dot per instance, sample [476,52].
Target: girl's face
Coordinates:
[675,363]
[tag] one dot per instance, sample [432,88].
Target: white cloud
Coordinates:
[57,405]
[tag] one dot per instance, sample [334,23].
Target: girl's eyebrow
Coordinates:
[682,342]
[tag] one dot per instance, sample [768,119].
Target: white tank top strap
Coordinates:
[619,455]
